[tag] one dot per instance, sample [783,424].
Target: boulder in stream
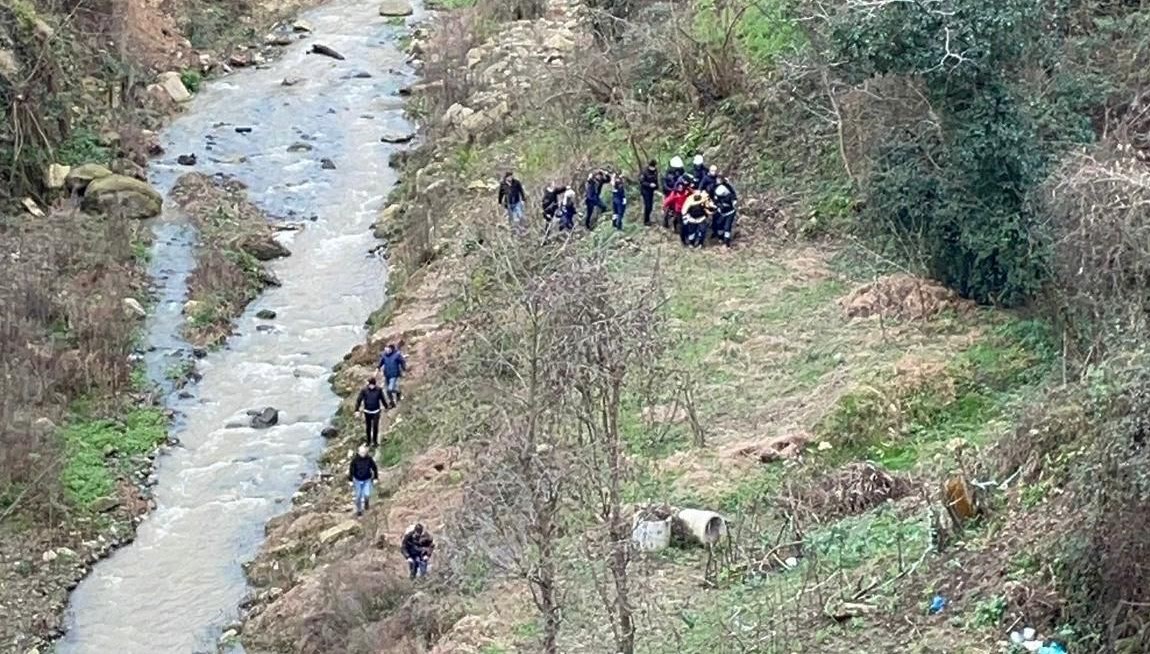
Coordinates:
[264,418]
[397,136]
[327,164]
[322,49]
[395,8]
[126,196]
[264,247]
[266,314]
[186,159]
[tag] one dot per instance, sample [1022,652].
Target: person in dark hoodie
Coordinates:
[551,197]
[618,200]
[648,184]
[710,181]
[593,201]
[724,221]
[362,473]
[393,365]
[672,175]
[371,403]
[512,197]
[700,169]
[417,546]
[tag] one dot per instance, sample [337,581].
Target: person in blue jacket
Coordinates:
[593,200]
[392,364]
[618,200]
[710,180]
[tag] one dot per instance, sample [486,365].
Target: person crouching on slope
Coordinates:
[362,473]
[417,546]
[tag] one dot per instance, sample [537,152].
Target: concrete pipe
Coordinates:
[705,527]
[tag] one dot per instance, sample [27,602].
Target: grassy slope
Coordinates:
[760,331]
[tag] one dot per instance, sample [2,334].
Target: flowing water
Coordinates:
[173,589]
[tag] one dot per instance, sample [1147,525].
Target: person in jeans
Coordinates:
[392,364]
[417,546]
[512,197]
[362,473]
[618,200]
[371,403]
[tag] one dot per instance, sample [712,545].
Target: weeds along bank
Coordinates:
[874,440]
[81,85]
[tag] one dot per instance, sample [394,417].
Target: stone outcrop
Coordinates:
[122,195]
[395,8]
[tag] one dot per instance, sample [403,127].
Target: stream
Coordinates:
[179,583]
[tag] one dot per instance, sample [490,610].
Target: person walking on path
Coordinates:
[512,198]
[618,200]
[593,200]
[648,184]
[417,546]
[551,197]
[393,365]
[371,403]
[362,473]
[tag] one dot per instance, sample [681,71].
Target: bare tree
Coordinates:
[612,342]
[514,508]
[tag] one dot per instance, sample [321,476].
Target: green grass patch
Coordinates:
[765,30]
[969,400]
[82,146]
[98,449]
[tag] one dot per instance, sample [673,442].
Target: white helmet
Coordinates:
[722,192]
[676,162]
[698,160]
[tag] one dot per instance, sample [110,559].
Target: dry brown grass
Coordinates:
[64,333]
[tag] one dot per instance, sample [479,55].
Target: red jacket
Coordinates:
[675,199]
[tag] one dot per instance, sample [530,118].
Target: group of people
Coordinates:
[373,400]
[363,473]
[417,544]
[696,202]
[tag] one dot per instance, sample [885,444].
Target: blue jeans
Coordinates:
[592,205]
[362,494]
[417,567]
[392,384]
[620,207]
[515,214]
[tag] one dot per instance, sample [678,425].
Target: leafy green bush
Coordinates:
[192,80]
[95,447]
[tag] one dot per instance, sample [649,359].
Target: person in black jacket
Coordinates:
[551,198]
[362,473]
[592,197]
[417,546]
[371,403]
[511,197]
[648,184]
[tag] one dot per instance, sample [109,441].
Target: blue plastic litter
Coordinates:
[1052,648]
[938,604]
